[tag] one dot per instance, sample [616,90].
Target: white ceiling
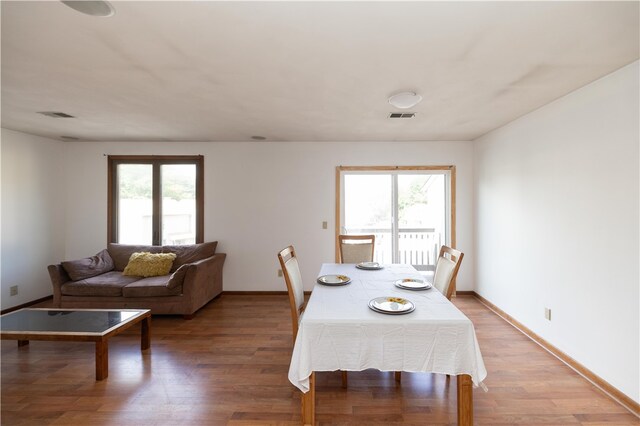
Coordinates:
[301,71]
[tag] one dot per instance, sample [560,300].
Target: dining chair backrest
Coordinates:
[293,279]
[356,248]
[444,279]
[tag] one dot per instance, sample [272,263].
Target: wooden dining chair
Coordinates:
[293,279]
[447,267]
[356,248]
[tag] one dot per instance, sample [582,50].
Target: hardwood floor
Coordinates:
[229,366]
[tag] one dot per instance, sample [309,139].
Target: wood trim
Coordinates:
[111,199]
[200,199]
[156,160]
[452,179]
[175,159]
[391,168]
[156,202]
[453,205]
[26,305]
[77,336]
[597,381]
[337,227]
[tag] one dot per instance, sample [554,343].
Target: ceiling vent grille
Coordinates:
[56,114]
[402,115]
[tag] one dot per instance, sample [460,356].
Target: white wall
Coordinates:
[557,224]
[261,197]
[33,209]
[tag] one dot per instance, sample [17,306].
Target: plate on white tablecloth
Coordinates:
[371,266]
[412,284]
[334,279]
[391,305]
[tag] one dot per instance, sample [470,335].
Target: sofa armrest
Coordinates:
[203,280]
[58,277]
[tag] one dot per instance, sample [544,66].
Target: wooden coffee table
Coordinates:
[77,325]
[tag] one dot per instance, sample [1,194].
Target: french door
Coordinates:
[408,209]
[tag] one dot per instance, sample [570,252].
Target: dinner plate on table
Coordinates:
[372,266]
[392,305]
[413,284]
[334,280]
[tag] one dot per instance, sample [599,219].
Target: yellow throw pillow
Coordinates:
[149,264]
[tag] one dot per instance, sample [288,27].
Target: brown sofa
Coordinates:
[97,281]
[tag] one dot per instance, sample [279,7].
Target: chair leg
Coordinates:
[344,379]
[398,375]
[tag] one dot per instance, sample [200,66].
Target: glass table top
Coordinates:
[44,320]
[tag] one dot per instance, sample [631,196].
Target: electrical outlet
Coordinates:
[279,272]
[13,290]
[547,314]
[324,225]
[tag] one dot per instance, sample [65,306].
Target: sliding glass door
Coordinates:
[409,212]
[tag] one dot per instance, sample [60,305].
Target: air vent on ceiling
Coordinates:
[402,115]
[69,138]
[55,114]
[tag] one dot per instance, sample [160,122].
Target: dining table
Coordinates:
[340,331]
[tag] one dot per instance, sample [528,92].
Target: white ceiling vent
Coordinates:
[55,114]
[402,114]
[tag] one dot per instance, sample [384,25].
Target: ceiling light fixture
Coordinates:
[99,8]
[405,100]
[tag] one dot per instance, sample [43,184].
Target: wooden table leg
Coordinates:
[465,400]
[23,343]
[309,402]
[102,360]
[145,339]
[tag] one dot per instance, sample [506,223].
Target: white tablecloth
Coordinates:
[338,331]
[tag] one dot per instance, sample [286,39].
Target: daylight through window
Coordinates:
[156,200]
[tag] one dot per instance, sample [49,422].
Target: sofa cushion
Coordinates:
[151,287]
[89,266]
[190,253]
[107,284]
[120,253]
[149,264]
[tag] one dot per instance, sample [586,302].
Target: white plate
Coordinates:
[334,279]
[391,305]
[412,284]
[369,265]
